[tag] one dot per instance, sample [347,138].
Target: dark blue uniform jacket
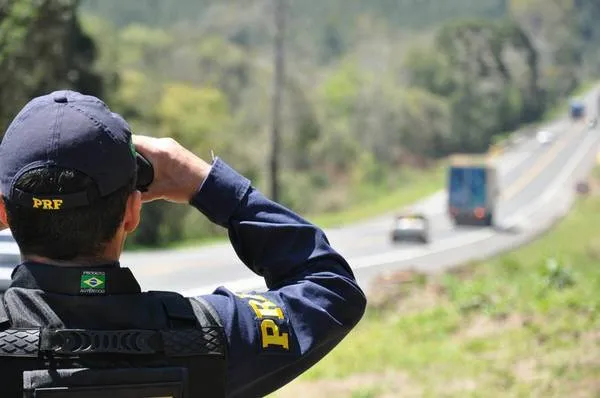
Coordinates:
[313,299]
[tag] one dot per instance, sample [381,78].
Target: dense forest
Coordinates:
[372,87]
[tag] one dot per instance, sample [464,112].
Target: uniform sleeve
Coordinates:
[313,299]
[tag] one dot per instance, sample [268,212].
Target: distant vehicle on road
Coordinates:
[577,110]
[10,257]
[544,137]
[411,227]
[472,191]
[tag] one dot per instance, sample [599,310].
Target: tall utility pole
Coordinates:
[278,86]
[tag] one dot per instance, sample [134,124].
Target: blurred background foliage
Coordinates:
[373,88]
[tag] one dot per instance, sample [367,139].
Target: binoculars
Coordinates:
[145,172]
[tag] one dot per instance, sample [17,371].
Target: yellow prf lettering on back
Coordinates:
[262,306]
[47,204]
[266,309]
[271,336]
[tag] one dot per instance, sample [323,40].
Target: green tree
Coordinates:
[141,45]
[196,117]
[426,122]
[489,73]
[43,48]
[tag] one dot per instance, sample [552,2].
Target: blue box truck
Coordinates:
[577,110]
[472,192]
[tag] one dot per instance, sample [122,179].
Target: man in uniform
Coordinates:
[74,321]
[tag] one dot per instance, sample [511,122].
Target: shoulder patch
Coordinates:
[272,323]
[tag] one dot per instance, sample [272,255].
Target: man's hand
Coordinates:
[178,173]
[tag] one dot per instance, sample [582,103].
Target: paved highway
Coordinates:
[537,185]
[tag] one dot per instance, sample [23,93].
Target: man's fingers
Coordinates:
[142,143]
[137,138]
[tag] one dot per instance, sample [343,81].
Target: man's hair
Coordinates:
[70,233]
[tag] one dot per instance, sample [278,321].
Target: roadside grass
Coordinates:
[522,324]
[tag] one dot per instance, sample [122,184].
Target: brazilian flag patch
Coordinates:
[92,282]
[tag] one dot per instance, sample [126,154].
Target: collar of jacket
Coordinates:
[75,280]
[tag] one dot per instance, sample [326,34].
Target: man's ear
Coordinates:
[3,216]
[132,212]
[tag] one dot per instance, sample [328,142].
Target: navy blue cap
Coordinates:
[69,130]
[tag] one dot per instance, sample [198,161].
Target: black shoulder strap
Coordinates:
[22,343]
[4,318]
[178,309]
[192,316]
[194,324]
[205,313]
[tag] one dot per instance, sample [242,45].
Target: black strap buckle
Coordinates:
[78,341]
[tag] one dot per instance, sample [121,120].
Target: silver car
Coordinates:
[544,137]
[10,257]
[411,227]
